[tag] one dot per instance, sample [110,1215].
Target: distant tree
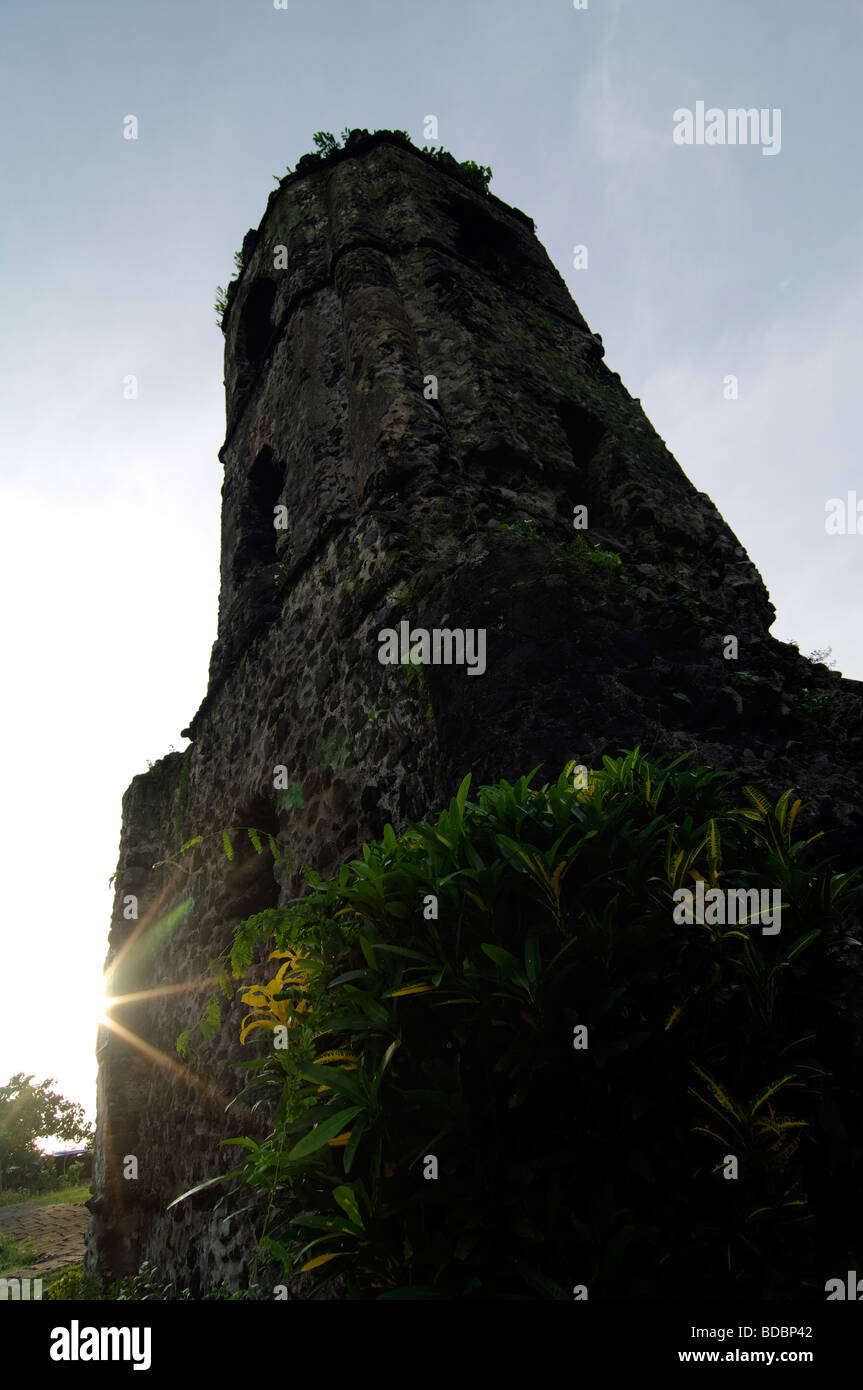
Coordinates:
[28,1113]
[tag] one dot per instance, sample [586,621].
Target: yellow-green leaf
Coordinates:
[322,1260]
[714,850]
[769,1090]
[346,1199]
[719,1093]
[758,800]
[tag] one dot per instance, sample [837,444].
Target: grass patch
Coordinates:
[77,1195]
[15,1254]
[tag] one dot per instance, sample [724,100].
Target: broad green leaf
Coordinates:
[339,1081]
[277,1250]
[507,963]
[357,1131]
[801,944]
[324,1132]
[369,1005]
[396,909]
[532,961]
[200,1187]
[543,1284]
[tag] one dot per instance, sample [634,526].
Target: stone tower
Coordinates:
[410,382]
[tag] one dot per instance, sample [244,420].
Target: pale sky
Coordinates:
[704,262]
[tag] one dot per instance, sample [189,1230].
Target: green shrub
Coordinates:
[411,1035]
[581,556]
[325,142]
[480,175]
[75,1285]
[147,1286]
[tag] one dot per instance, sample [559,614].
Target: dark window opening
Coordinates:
[256,545]
[482,237]
[250,877]
[584,432]
[584,435]
[256,324]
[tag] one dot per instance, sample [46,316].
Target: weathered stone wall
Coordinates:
[398,270]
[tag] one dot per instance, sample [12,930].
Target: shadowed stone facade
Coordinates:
[399,490]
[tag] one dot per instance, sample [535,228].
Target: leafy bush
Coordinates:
[145,1286]
[480,175]
[75,1285]
[505,991]
[149,1286]
[73,1174]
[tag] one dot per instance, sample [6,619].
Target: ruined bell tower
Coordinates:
[422,437]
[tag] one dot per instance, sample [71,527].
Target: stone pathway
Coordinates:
[56,1230]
